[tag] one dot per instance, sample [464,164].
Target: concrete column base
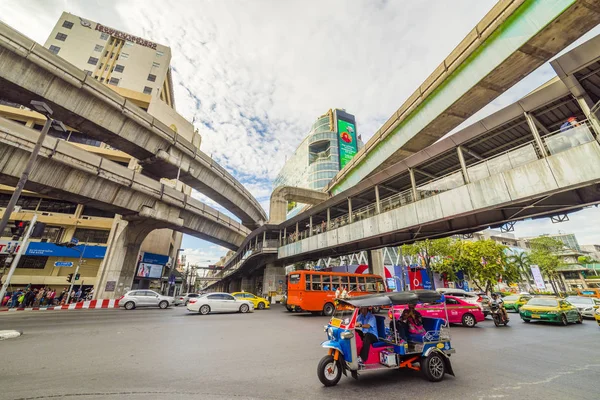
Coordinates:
[118,267]
[375,258]
[246,285]
[273,280]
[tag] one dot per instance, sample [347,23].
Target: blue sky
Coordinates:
[253,75]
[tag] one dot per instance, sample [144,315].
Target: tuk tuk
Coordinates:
[428,351]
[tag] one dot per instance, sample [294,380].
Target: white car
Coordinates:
[144,298]
[219,302]
[585,305]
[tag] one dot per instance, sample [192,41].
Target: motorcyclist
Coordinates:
[500,303]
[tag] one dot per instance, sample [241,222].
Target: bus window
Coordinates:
[294,279]
[307,278]
[361,283]
[316,282]
[371,284]
[353,283]
[344,281]
[336,282]
[327,282]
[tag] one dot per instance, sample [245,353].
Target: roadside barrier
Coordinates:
[92,304]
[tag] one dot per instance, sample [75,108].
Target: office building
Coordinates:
[139,70]
[330,144]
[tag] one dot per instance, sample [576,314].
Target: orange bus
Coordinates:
[314,291]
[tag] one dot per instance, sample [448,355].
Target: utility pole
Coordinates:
[15,261]
[76,271]
[42,108]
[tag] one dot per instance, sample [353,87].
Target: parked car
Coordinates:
[550,309]
[585,305]
[597,316]
[259,302]
[145,298]
[219,302]
[516,301]
[185,298]
[459,311]
[470,297]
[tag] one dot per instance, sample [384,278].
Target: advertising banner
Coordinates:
[347,142]
[537,277]
[52,250]
[415,279]
[150,271]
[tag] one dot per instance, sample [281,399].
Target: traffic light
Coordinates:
[18,230]
[76,277]
[70,277]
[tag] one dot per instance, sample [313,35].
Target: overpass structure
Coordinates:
[28,71]
[512,165]
[67,172]
[512,40]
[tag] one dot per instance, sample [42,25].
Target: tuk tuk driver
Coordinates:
[368,323]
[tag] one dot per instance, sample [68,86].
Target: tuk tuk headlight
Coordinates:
[347,335]
[330,333]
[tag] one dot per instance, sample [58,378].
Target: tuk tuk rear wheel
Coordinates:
[329,371]
[433,367]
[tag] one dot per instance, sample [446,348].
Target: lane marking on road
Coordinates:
[10,334]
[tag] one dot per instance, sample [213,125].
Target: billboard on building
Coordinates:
[150,271]
[347,139]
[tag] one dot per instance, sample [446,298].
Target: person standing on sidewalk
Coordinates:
[15,298]
[50,297]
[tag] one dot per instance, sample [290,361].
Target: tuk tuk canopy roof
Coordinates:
[395,298]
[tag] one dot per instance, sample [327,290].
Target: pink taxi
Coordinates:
[459,311]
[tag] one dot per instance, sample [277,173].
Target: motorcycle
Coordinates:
[497,315]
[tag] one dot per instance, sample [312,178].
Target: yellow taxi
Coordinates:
[597,315]
[550,309]
[516,301]
[260,303]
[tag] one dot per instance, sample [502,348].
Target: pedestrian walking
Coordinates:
[15,298]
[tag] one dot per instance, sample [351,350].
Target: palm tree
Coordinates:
[522,262]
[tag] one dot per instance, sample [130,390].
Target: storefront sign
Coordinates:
[151,258]
[63,264]
[110,286]
[347,142]
[52,250]
[125,36]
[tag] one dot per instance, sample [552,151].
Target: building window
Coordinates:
[91,235]
[152,78]
[114,81]
[51,234]
[119,68]
[57,206]
[67,24]
[31,262]
[104,36]
[87,72]
[128,43]
[95,212]
[124,55]
[98,48]
[54,49]
[159,53]
[147,90]
[61,36]
[25,202]
[155,65]
[92,60]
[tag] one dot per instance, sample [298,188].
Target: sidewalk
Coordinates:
[104,303]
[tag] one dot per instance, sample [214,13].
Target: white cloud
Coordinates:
[254,75]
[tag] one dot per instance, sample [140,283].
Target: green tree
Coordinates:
[522,262]
[545,254]
[586,260]
[483,261]
[430,251]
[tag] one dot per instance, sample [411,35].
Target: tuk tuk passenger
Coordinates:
[410,321]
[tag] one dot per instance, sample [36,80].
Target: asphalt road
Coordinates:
[273,354]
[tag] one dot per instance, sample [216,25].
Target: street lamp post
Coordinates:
[42,108]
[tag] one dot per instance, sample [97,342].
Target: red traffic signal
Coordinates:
[18,229]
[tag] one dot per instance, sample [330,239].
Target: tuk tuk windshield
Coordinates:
[344,313]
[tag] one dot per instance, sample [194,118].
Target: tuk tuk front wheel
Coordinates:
[329,371]
[433,367]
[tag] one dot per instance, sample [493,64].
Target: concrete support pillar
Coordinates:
[264,239]
[375,260]
[273,279]
[463,164]
[280,241]
[328,218]
[413,184]
[118,267]
[349,210]
[377,202]
[536,135]
[310,226]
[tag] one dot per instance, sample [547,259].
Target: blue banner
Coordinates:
[425,279]
[52,250]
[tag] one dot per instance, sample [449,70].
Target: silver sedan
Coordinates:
[219,302]
[145,298]
[585,305]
